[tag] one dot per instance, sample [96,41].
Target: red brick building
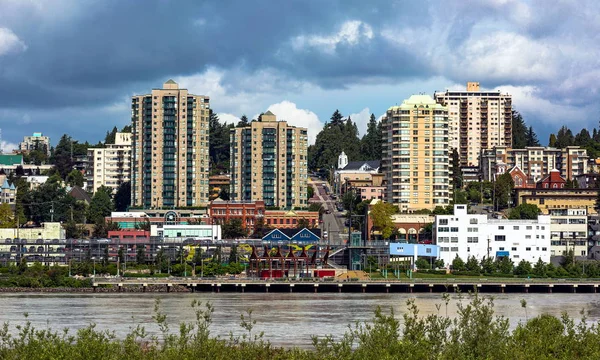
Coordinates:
[520,179]
[222,211]
[552,181]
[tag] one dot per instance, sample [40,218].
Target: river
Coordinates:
[286,319]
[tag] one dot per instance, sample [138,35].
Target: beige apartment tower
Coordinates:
[415,154]
[109,166]
[170,161]
[269,162]
[479,120]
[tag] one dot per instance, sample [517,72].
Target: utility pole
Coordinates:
[52,212]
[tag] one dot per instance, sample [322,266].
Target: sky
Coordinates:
[71,66]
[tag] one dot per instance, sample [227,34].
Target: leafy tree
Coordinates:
[75,178]
[564,138]
[101,205]
[7,218]
[472,264]
[123,196]
[422,264]
[457,181]
[310,191]
[260,229]
[224,194]
[336,136]
[487,265]
[381,216]
[233,229]
[503,189]
[303,224]
[102,228]
[525,211]
[524,268]
[439,263]
[458,264]
[504,265]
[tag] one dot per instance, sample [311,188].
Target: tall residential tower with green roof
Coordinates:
[415,154]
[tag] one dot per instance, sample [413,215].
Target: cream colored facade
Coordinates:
[170,160]
[49,230]
[536,162]
[110,166]
[478,120]
[568,231]
[269,162]
[37,141]
[415,155]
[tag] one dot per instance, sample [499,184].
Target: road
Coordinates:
[332,222]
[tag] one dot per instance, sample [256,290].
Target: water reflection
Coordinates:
[286,319]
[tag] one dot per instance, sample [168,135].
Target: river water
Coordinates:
[286,319]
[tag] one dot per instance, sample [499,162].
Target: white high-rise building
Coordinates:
[110,166]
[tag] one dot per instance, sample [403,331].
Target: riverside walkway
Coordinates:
[482,285]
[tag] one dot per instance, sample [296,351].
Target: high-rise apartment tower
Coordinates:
[415,154]
[479,120]
[269,162]
[170,161]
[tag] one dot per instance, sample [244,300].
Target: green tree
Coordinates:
[219,145]
[523,268]
[61,156]
[75,178]
[7,217]
[381,216]
[140,255]
[111,135]
[233,255]
[458,264]
[525,211]
[503,189]
[472,264]
[123,196]
[504,265]
[531,137]
[101,205]
[457,181]
[422,264]
[370,144]
[519,131]
[335,137]
[233,229]
[310,192]
[487,265]
[552,141]
[539,269]
[302,224]
[243,121]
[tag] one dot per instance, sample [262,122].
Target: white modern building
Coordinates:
[110,166]
[569,231]
[197,232]
[467,235]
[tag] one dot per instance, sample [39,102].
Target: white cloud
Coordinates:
[350,33]
[200,22]
[7,147]
[25,119]
[287,110]
[10,43]
[361,119]
[226,118]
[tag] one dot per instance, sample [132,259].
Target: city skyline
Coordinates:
[300,60]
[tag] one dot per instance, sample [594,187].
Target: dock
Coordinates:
[373,286]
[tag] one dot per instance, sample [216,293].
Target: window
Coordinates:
[500,227]
[529,227]
[453,229]
[471,229]
[500,238]
[515,228]
[527,236]
[544,249]
[454,249]
[443,222]
[445,249]
[527,249]
[473,221]
[428,250]
[501,249]
[513,249]
[472,239]
[454,239]
[443,229]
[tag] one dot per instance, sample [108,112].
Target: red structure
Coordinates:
[128,234]
[222,211]
[520,179]
[273,264]
[552,181]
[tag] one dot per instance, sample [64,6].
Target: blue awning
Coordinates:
[502,253]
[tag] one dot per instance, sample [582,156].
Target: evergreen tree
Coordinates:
[243,121]
[219,145]
[552,141]
[564,138]
[233,254]
[370,144]
[583,139]
[531,137]
[337,119]
[519,131]
[75,178]
[457,181]
[110,136]
[503,189]
[123,197]
[61,157]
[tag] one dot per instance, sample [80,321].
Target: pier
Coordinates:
[379,286]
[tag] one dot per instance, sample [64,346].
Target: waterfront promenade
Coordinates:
[483,285]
